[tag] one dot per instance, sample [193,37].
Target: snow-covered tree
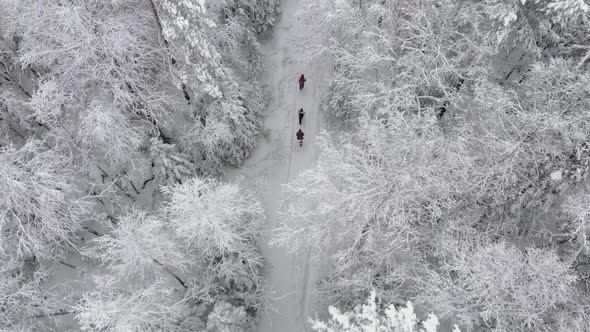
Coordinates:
[225,133]
[22,298]
[204,143]
[15,112]
[139,248]
[103,73]
[371,317]
[105,126]
[185,27]
[226,317]
[386,60]
[497,285]
[217,63]
[200,34]
[533,25]
[575,227]
[149,307]
[143,285]
[241,22]
[169,165]
[195,254]
[42,208]
[98,47]
[212,217]
[528,132]
[221,224]
[261,15]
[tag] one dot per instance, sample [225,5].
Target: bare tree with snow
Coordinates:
[42,208]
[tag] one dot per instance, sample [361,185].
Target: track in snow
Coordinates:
[278,159]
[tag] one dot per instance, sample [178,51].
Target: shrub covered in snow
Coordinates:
[370,317]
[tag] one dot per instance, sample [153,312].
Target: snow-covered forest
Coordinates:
[152,181]
[117,119]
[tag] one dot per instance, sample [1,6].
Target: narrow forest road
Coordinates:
[278,159]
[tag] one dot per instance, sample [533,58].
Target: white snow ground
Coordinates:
[278,159]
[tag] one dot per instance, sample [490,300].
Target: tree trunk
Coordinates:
[158,21]
[166,44]
[180,281]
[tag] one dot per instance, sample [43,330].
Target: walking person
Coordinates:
[301,114]
[300,137]
[301,81]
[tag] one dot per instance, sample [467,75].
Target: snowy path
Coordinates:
[278,159]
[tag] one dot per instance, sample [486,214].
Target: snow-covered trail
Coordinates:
[278,159]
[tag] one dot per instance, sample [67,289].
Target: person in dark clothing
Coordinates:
[301,114]
[300,137]
[301,81]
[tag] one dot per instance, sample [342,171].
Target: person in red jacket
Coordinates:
[300,136]
[301,81]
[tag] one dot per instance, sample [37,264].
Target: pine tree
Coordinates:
[170,166]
